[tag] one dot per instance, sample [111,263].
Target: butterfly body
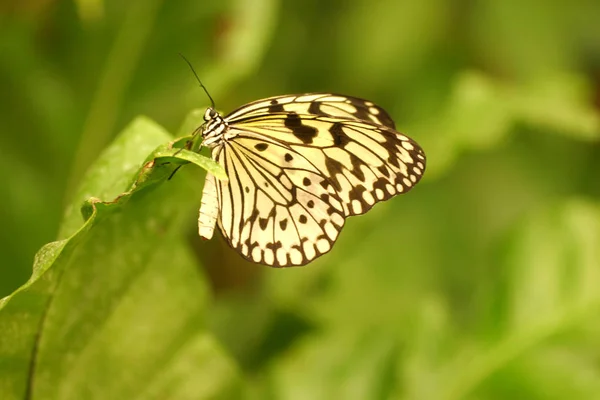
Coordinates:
[298,166]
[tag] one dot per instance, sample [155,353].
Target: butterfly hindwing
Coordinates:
[274,211]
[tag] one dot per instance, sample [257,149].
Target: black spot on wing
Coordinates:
[288,157]
[261,146]
[381,184]
[393,160]
[356,164]
[363,112]
[340,139]
[383,170]
[334,168]
[263,222]
[274,246]
[356,193]
[303,132]
[283,224]
[315,108]
[252,218]
[275,107]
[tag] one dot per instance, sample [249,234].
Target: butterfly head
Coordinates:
[214,128]
[210,114]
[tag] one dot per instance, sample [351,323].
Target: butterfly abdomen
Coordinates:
[209,208]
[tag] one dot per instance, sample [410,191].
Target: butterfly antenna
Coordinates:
[212,102]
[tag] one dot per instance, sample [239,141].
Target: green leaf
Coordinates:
[482,112]
[560,102]
[123,293]
[170,155]
[344,365]
[242,48]
[542,312]
[551,308]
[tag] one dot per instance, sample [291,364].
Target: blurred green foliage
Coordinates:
[481,283]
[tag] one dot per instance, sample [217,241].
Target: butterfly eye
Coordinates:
[209,114]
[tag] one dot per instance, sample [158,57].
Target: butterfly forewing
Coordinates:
[299,165]
[364,163]
[319,104]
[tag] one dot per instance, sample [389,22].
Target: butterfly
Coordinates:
[298,166]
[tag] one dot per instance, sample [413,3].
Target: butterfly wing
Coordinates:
[277,208]
[307,172]
[364,162]
[317,104]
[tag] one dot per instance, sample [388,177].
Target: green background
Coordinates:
[481,283]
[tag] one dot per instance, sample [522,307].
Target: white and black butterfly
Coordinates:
[298,165]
